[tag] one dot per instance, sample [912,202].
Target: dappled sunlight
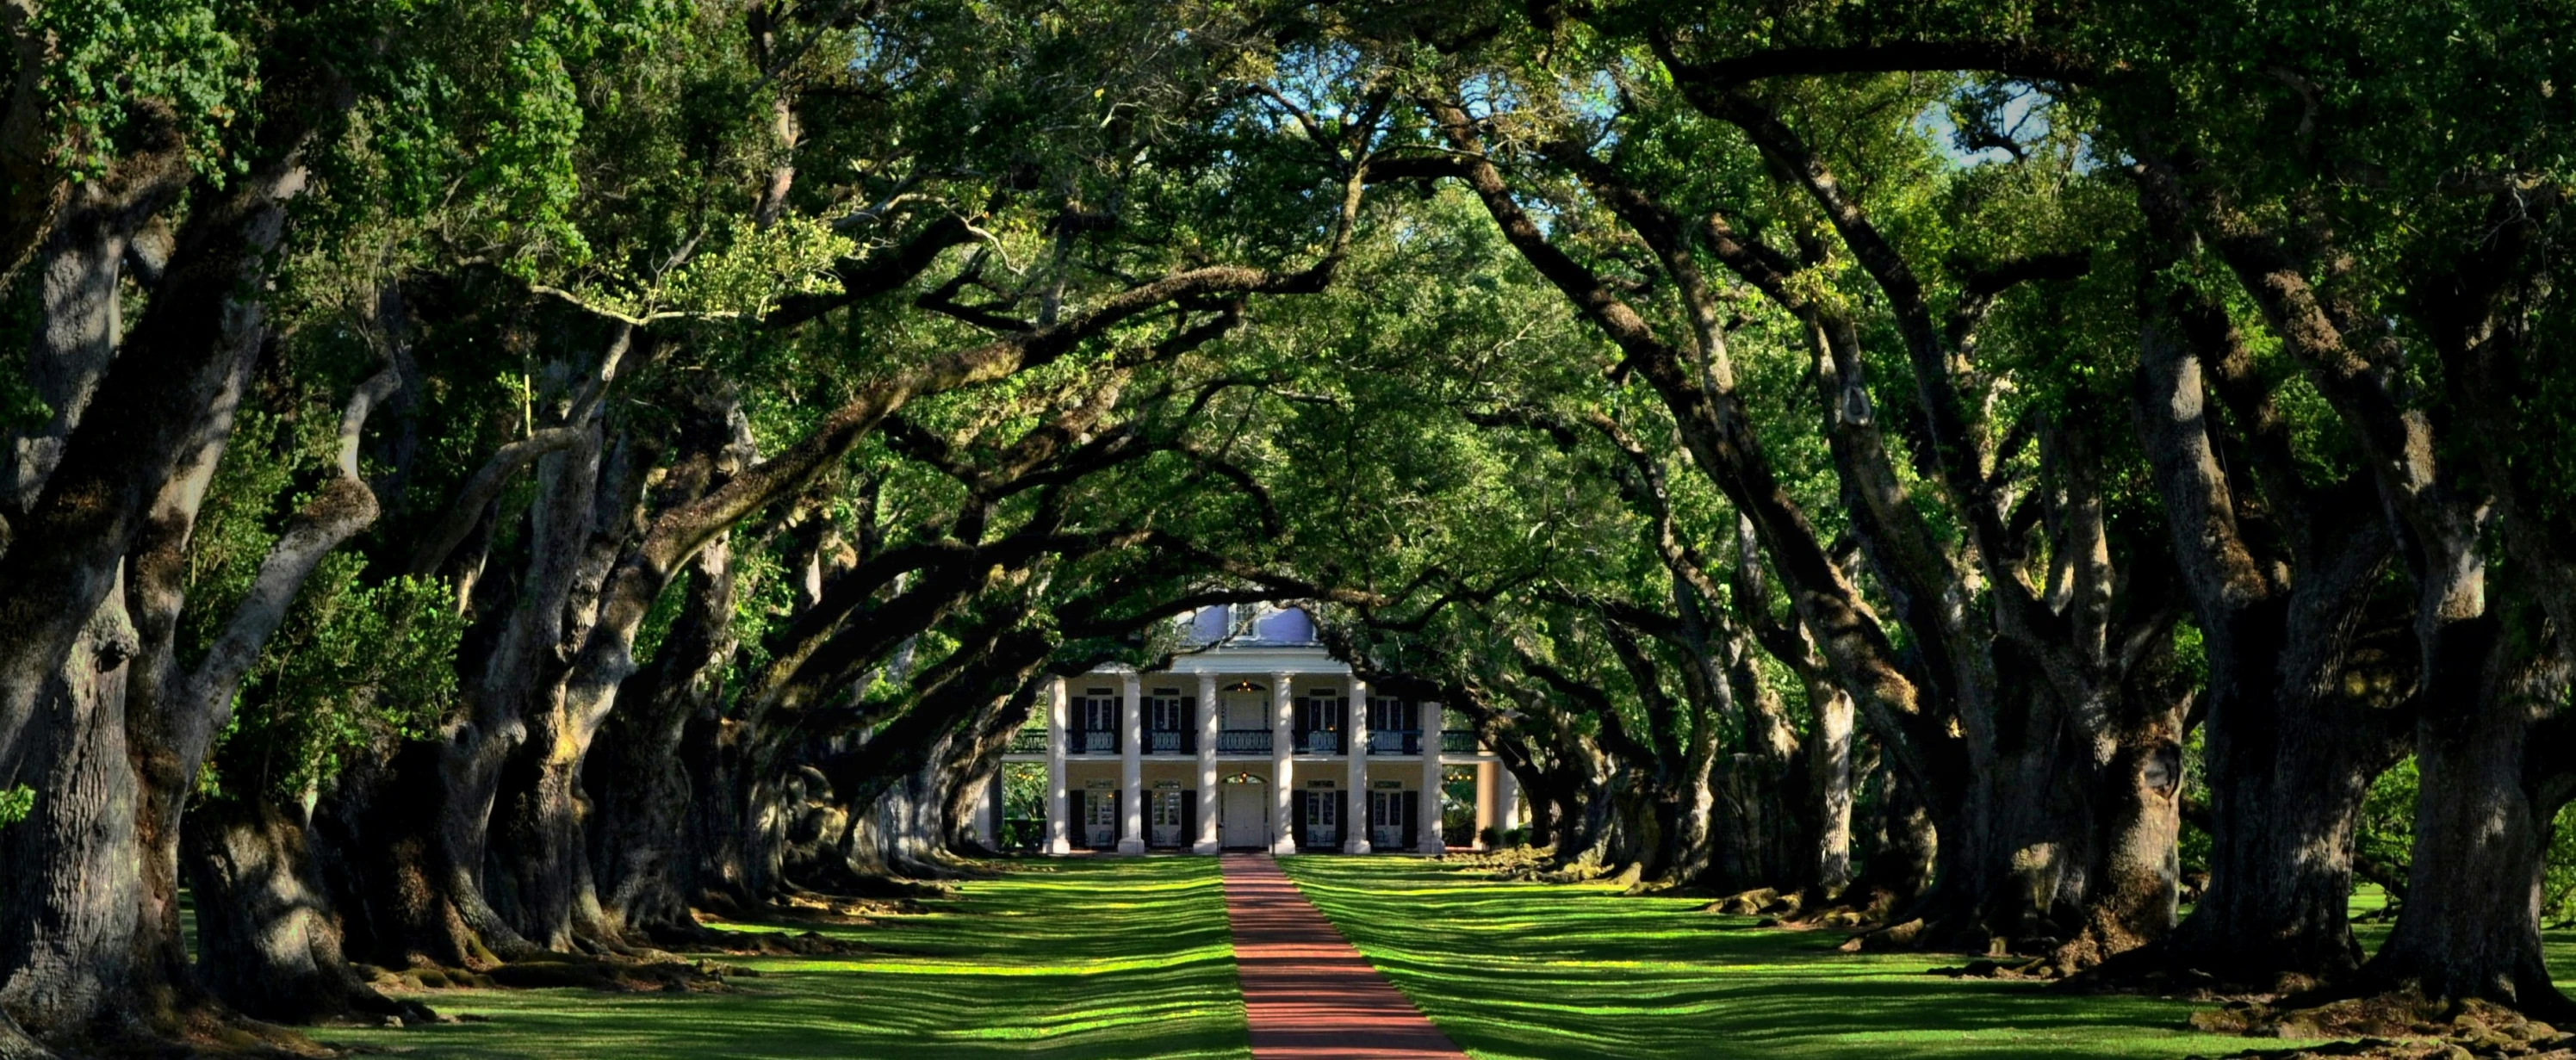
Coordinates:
[1097,958]
[1511,969]
[1119,958]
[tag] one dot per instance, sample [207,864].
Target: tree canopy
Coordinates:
[485,480]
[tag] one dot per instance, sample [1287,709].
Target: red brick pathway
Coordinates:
[1312,996]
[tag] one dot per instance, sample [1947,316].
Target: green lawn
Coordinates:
[1130,958]
[1089,957]
[1540,970]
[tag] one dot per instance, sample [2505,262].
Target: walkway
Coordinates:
[1311,995]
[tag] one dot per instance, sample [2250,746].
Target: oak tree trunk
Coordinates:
[73,886]
[268,938]
[640,839]
[2471,923]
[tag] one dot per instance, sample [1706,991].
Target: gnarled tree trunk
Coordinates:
[2471,923]
[266,928]
[638,782]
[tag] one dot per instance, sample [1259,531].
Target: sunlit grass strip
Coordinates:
[1513,970]
[903,966]
[1109,958]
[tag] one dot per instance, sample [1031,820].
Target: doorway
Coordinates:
[1099,816]
[1244,818]
[1168,824]
[1320,814]
[1391,818]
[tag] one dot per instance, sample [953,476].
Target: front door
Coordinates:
[1100,823]
[1247,711]
[1323,808]
[1166,823]
[1389,813]
[1246,819]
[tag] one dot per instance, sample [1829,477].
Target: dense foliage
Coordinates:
[487,482]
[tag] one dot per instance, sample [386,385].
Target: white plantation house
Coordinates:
[1254,739]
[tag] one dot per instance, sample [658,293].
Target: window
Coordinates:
[1100,711]
[1167,710]
[1320,712]
[1096,723]
[1389,714]
[1386,809]
[1167,809]
[1102,809]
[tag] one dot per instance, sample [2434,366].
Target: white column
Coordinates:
[990,821]
[1059,831]
[1131,770]
[1507,800]
[1355,833]
[1210,718]
[1283,767]
[1428,839]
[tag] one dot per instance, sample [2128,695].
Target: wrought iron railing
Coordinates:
[1319,742]
[1171,743]
[1243,742]
[1395,742]
[1028,742]
[1458,742]
[1092,742]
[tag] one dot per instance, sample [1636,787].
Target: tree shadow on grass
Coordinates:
[1513,969]
[1109,958]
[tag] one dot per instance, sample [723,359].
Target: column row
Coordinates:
[1132,807]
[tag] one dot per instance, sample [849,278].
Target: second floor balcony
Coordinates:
[1247,742]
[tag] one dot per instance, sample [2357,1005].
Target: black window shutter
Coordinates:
[1190,818]
[1081,825]
[1412,819]
[1299,811]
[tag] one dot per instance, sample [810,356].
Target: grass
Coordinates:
[1130,958]
[1106,957]
[1513,970]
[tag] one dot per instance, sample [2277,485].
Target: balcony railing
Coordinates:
[1395,742]
[1171,743]
[1319,742]
[1092,742]
[1243,742]
[1457,742]
[1028,742]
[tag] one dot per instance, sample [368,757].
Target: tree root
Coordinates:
[15,1045]
[1624,877]
[848,910]
[607,974]
[2402,1025]
[2153,969]
[1808,909]
[199,1029]
[2089,949]
[1507,863]
[851,885]
[210,1031]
